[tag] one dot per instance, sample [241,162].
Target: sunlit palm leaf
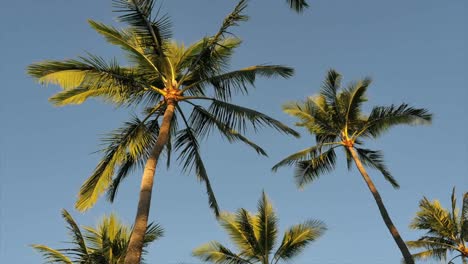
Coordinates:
[310,170]
[297,237]
[266,225]
[216,253]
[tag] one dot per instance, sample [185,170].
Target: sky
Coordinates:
[415,52]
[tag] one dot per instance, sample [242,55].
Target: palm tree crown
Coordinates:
[161,73]
[255,236]
[336,120]
[446,230]
[185,93]
[105,244]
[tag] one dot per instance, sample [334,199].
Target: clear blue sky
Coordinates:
[416,52]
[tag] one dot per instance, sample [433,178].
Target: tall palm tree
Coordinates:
[105,244]
[446,231]
[336,120]
[171,83]
[255,237]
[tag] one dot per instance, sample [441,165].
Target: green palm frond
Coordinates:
[464,218]
[266,225]
[206,63]
[227,84]
[355,96]
[76,235]
[297,5]
[154,31]
[216,253]
[435,219]
[236,117]
[297,237]
[439,254]
[232,225]
[51,255]
[105,243]
[310,170]
[293,159]
[374,159]
[124,146]
[382,118]
[190,157]
[202,122]
[255,237]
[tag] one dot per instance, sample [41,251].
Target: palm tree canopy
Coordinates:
[335,117]
[160,71]
[446,229]
[105,244]
[255,236]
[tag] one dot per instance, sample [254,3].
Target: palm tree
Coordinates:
[170,82]
[255,237]
[336,120]
[105,244]
[446,231]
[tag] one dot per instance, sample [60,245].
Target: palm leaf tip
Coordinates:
[298,5]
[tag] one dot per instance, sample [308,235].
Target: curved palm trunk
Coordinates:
[383,211]
[135,245]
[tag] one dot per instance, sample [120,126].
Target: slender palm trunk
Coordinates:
[383,211]
[135,245]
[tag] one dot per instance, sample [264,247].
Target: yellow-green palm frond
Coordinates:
[105,243]
[464,218]
[216,253]
[131,143]
[297,237]
[434,219]
[255,237]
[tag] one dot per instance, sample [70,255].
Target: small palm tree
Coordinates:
[336,120]
[105,244]
[185,93]
[446,231]
[255,237]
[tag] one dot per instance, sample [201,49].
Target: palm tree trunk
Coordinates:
[383,211]
[135,245]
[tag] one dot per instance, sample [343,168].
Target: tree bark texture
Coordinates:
[383,211]
[135,246]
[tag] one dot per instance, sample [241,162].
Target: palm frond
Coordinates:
[297,5]
[138,14]
[267,224]
[75,233]
[52,255]
[235,116]
[437,254]
[297,237]
[356,96]
[309,170]
[293,159]
[206,63]
[374,159]
[123,146]
[382,118]
[330,88]
[135,49]
[187,144]
[202,122]
[434,219]
[216,253]
[227,84]
[464,218]
[232,224]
